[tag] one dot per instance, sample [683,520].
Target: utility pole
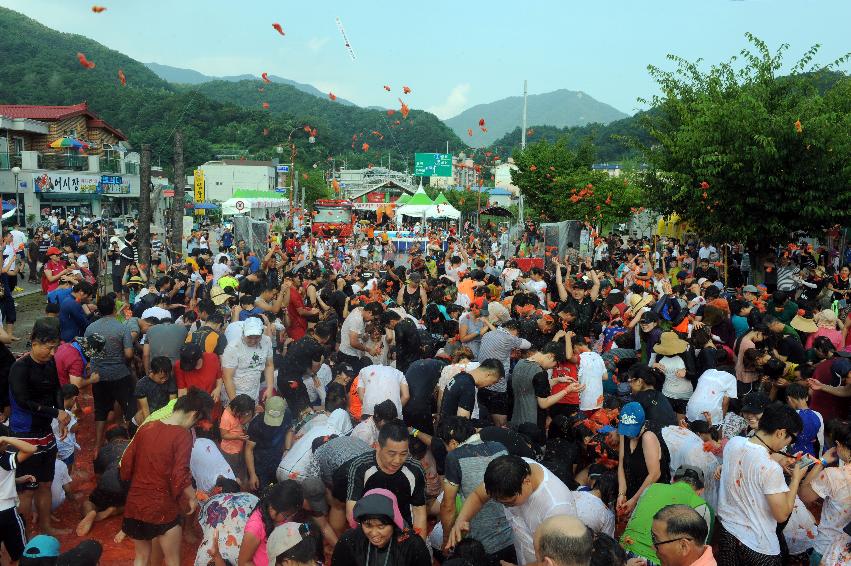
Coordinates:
[523,128]
[177,204]
[144,242]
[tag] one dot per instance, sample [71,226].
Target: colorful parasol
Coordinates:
[69,142]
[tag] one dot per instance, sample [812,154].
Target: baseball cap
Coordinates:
[53,250]
[284,538]
[189,355]
[701,281]
[42,546]
[755,402]
[690,472]
[840,368]
[273,413]
[253,327]
[631,419]
[649,317]
[750,289]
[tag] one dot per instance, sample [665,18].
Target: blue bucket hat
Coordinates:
[631,419]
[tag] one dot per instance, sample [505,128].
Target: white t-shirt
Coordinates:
[540,289]
[591,372]
[61,477]
[551,498]
[220,270]
[593,512]
[834,486]
[157,312]
[8,491]
[249,364]
[747,476]
[680,441]
[353,323]
[675,387]
[295,462]
[207,463]
[379,384]
[709,394]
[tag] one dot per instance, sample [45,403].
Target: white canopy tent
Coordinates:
[252,206]
[442,212]
[417,205]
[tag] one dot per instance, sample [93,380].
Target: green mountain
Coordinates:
[560,108]
[40,67]
[192,77]
[611,141]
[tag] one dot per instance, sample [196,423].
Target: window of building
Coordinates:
[17,145]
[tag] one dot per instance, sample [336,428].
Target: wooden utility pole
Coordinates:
[177,204]
[144,236]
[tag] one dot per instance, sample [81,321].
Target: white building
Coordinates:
[502,176]
[223,178]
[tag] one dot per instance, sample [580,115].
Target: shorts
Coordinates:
[107,393]
[103,499]
[679,405]
[496,402]
[13,533]
[141,530]
[42,465]
[69,461]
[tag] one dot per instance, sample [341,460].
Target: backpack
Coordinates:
[143,304]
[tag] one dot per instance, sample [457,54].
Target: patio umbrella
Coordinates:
[206,206]
[69,143]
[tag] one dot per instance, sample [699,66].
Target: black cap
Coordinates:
[755,402]
[189,355]
[649,317]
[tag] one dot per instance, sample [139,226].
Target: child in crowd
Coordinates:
[797,397]
[155,390]
[232,426]
[67,447]
[12,533]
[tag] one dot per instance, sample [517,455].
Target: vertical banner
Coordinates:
[200,194]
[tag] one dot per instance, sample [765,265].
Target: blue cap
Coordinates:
[840,368]
[42,546]
[631,419]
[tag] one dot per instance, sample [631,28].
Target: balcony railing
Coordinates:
[67,161]
[112,165]
[9,160]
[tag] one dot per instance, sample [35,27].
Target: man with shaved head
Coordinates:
[563,541]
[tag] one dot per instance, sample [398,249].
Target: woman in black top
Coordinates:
[643,458]
[657,409]
[381,537]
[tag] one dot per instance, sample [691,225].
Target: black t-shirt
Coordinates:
[407,484]
[513,442]
[560,456]
[530,330]
[657,409]
[269,441]
[157,394]
[460,393]
[35,396]
[541,386]
[422,377]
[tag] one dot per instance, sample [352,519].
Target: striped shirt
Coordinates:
[498,345]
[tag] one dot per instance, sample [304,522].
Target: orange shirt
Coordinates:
[355,405]
[230,424]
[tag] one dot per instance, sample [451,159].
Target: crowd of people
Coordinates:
[639,401]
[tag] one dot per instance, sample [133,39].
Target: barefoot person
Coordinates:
[156,463]
[35,398]
[109,495]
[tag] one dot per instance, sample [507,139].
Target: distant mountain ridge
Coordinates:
[560,108]
[192,77]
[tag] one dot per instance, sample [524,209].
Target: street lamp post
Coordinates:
[17,171]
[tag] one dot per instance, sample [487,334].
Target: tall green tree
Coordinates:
[559,184]
[744,153]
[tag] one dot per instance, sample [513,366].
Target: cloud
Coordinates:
[316,43]
[454,103]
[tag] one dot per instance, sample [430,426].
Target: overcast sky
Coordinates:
[452,55]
